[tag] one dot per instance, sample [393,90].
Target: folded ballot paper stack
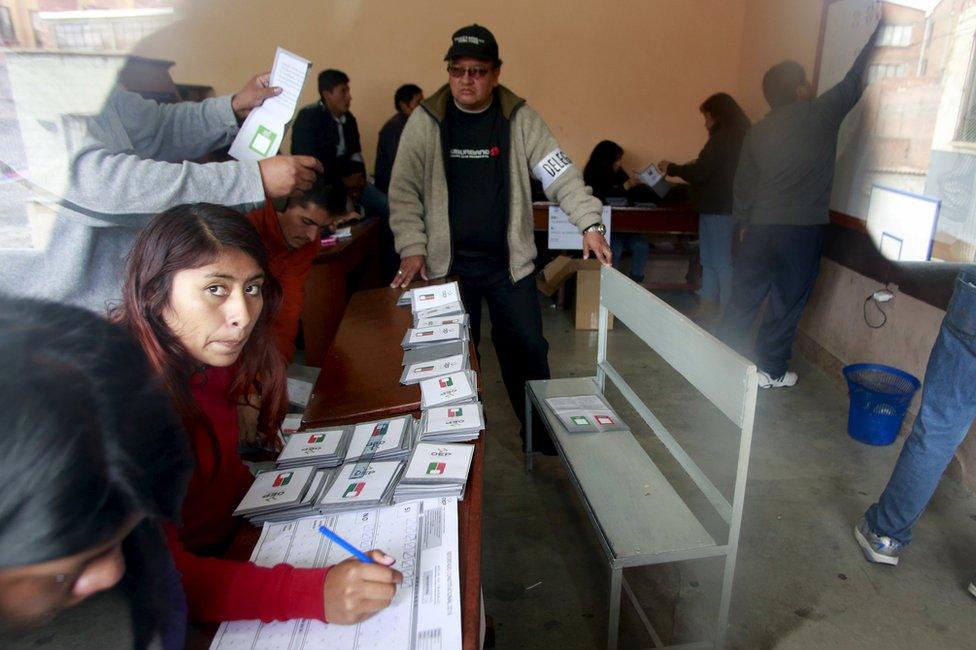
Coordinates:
[275,491]
[360,486]
[306,507]
[451,423]
[449,390]
[324,447]
[435,470]
[391,439]
[420,337]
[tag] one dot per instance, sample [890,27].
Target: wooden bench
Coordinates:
[638,516]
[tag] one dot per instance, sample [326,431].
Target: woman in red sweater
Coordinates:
[200,299]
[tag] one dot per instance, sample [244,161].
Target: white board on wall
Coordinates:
[902,224]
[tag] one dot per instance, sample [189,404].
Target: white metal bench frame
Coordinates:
[721,375]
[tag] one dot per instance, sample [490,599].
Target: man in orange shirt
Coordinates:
[293,238]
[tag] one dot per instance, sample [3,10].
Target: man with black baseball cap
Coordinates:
[460,204]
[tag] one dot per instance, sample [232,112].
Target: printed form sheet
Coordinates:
[426,611]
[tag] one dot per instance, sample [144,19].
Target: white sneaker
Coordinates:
[788,379]
[972,588]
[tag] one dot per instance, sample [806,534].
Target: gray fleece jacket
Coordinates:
[126,166]
[419,195]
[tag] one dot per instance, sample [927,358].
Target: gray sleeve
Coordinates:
[175,132]
[561,180]
[110,185]
[837,102]
[744,186]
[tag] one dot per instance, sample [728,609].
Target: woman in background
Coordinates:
[94,461]
[603,173]
[711,177]
[199,297]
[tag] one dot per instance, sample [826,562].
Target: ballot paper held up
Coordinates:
[262,132]
[654,179]
[438,295]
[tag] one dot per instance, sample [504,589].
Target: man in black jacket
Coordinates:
[326,129]
[407,98]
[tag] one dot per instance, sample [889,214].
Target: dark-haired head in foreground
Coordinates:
[94,458]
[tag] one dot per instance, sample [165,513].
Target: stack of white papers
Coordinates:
[456,388]
[426,336]
[437,321]
[586,414]
[316,447]
[438,295]
[451,423]
[417,372]
[438,351]
[358,486]
[450,309]
[275,490]
[404,300]
[435,470]
[308,505]
[382,439]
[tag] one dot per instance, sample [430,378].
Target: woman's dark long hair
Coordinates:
[188,237]
[90,439]
[598,171]
[726,112]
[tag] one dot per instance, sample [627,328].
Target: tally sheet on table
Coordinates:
[264,128]
[426,611]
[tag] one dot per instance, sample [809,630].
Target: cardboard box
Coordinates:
[555,274]
[587,273]
[588,295]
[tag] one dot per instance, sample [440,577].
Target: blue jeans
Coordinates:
[946,413]
[715,246]
[639,249]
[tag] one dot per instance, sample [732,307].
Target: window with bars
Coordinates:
[967,120]
[894,36]
[885,70]
[8,35]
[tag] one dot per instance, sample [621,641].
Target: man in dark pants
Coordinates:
[461,204]
[782,193]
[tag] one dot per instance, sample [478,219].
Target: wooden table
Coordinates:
[679,223]
[360,381]
[338,270]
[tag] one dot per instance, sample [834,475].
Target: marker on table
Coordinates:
[359,555]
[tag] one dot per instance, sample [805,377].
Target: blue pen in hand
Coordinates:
[359,555]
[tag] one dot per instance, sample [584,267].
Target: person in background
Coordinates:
[130,162]
[94,461]
[605,176]
[945,415]
[326,129]
[711,176]
[201,300]
[293,238]
[406,98]
[781,196]
[461,205]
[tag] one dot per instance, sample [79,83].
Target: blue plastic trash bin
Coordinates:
[880,395]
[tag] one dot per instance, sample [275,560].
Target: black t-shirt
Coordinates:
[476,170]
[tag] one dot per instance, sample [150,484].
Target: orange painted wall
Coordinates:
[774,30]
[631,71]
